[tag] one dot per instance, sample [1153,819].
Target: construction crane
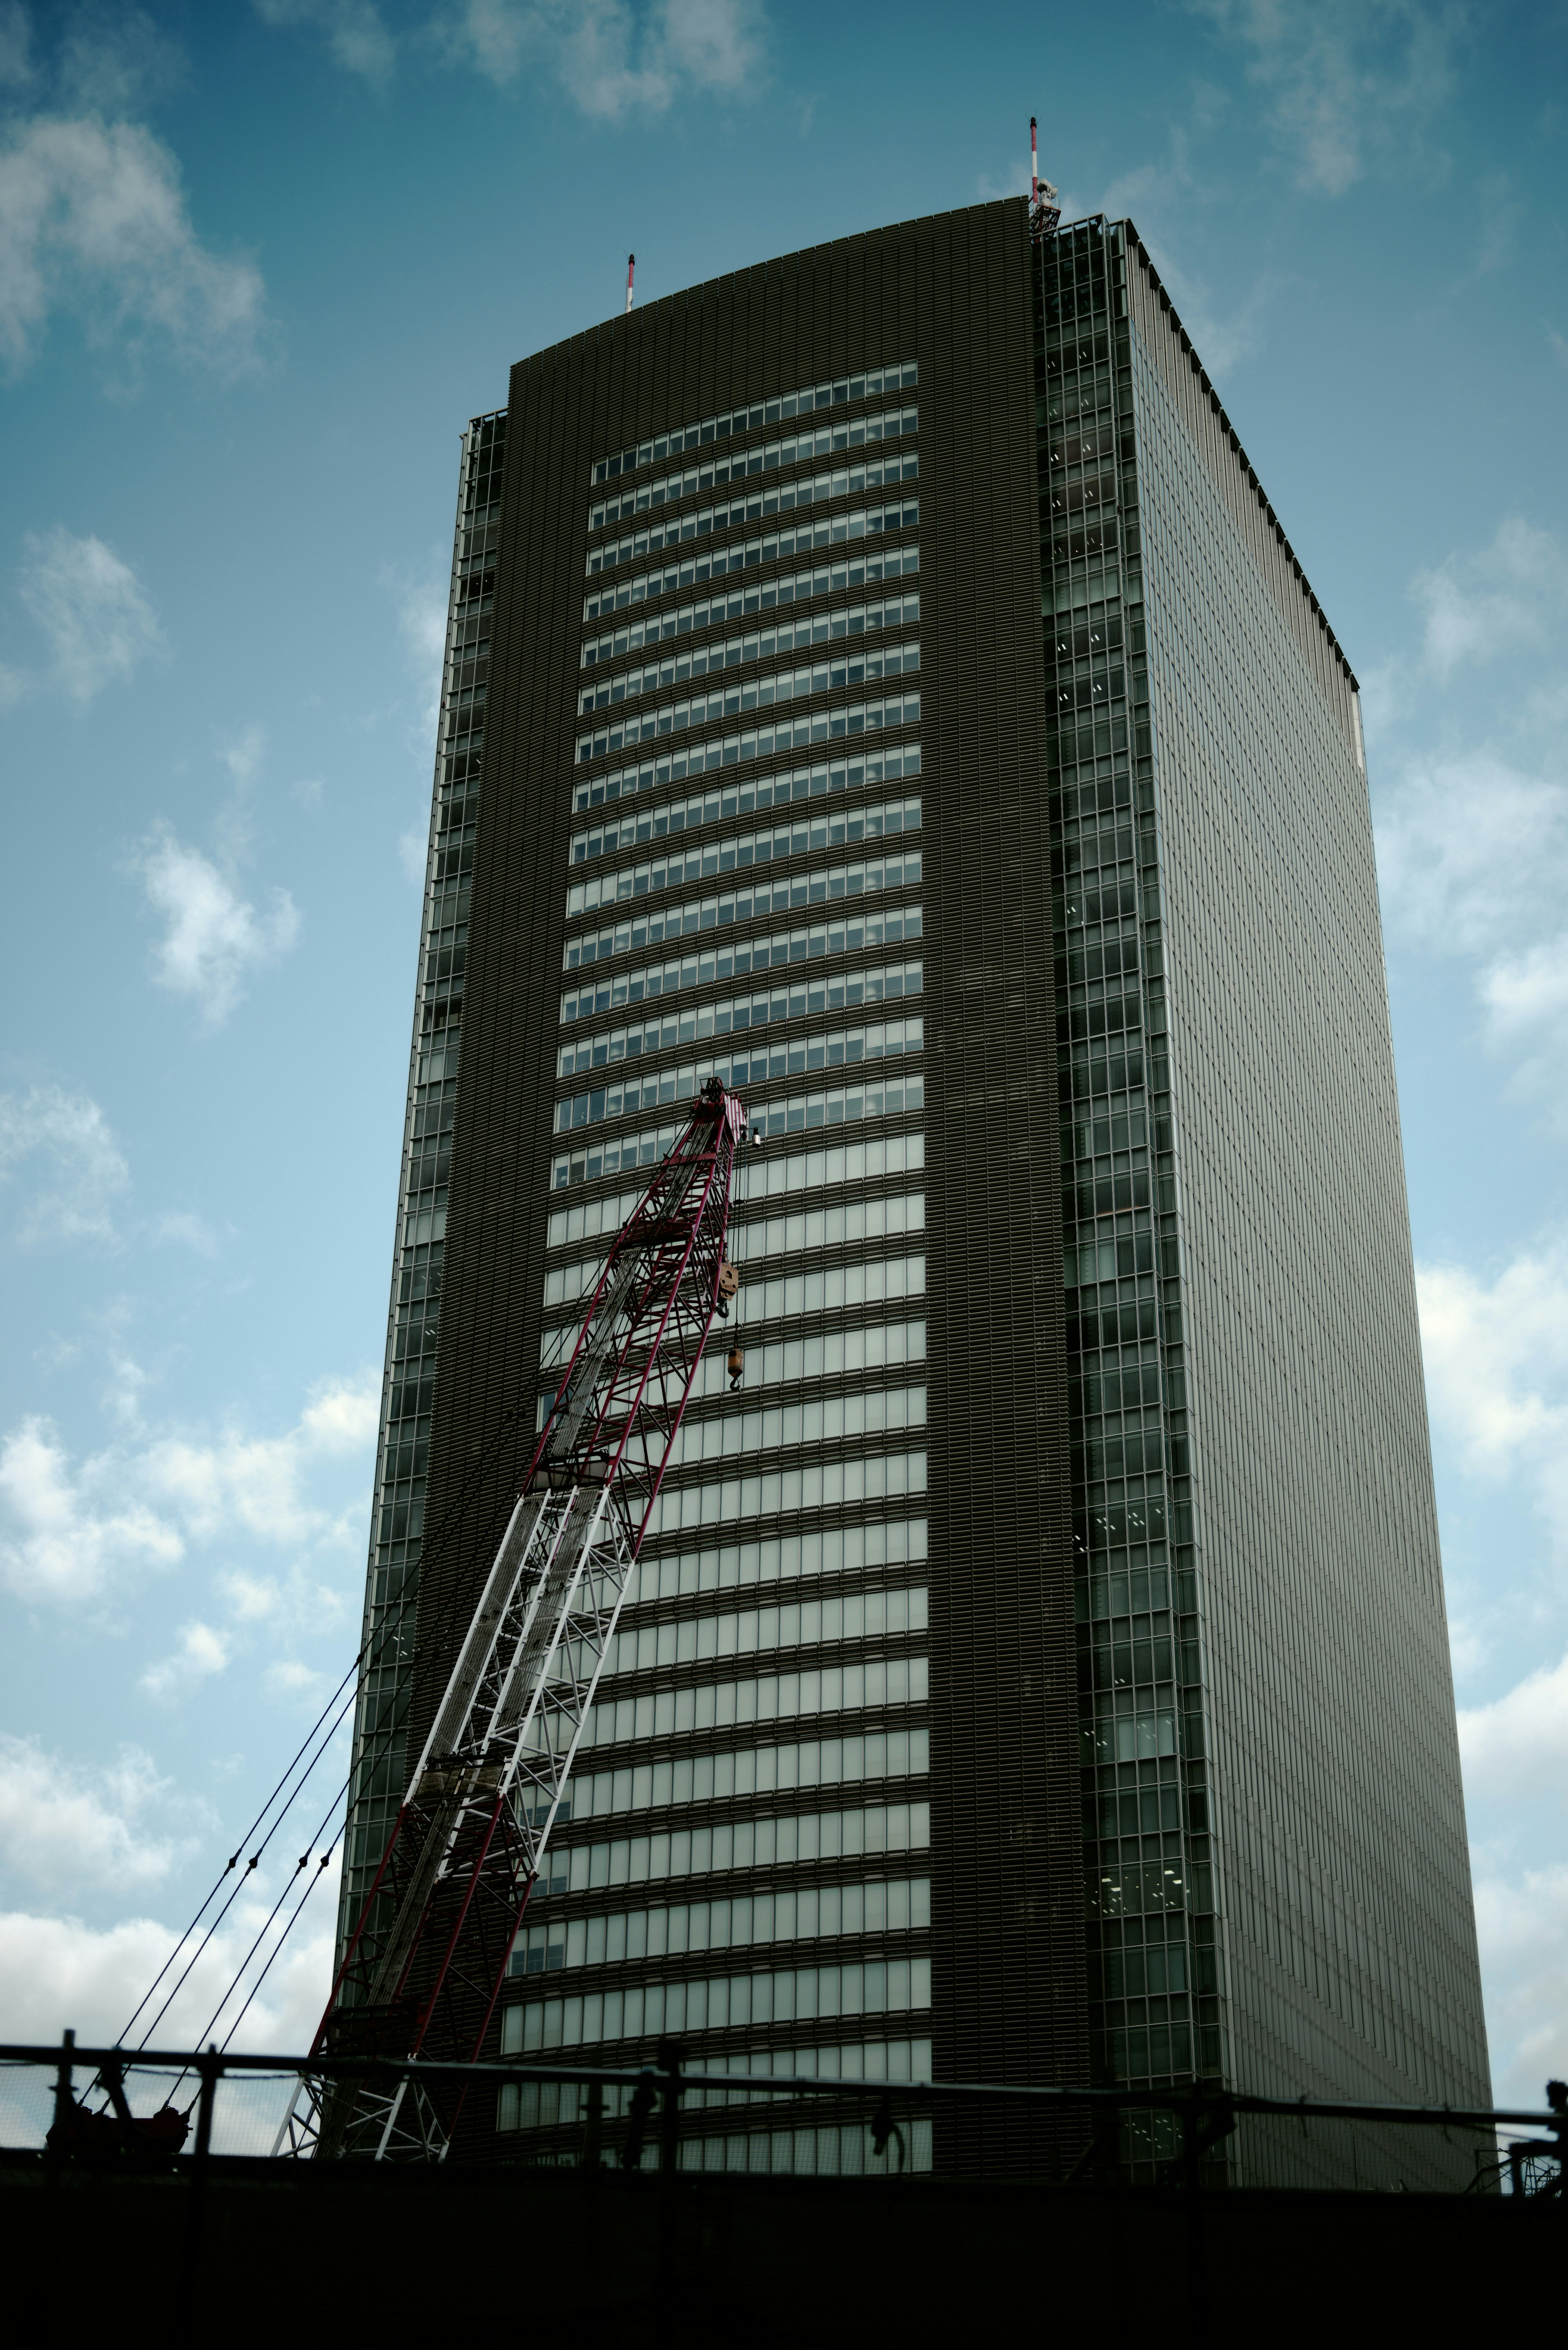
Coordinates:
[424,1968]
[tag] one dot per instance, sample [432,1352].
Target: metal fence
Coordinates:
[187,2109]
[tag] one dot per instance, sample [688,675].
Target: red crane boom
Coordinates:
[425,1966]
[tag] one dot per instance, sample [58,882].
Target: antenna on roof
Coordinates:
[1045,212]
[630,266]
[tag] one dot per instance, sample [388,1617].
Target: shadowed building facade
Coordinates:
[878,679]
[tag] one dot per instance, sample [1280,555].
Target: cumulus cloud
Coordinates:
[94,225]
[200,1653]
[213,939]
[1523,1931]
[1350,86]
[1496,1355]
[65,1827]
[354,31]
[79,1168]
[57,1972]
[113,60]
[92,609]
[1473,838]
[71,1533]
[612,56]
[1471,849]
[1508,596]
[1519,1744]
[612,59]
[65,1543]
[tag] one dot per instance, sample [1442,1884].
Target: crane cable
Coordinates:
[369,1655]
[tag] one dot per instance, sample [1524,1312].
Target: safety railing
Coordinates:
[186,2109]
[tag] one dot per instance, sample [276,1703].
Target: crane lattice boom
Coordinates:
[428,1959]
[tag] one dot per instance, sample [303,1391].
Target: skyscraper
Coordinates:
[878,678]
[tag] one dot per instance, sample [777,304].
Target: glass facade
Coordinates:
[846,1642]
[1277,1880]
[1010,1659]
[381,1765]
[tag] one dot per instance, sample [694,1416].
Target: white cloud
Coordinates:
[1352,84]
[75,1533]
[16,46]
[93,223]
[86,1170]
[1527,991]
[1471,851]
[62,1826]
[1510,596]
[56,1972]
[114,59]
[1519,1744]
[612,56]
[354,31]
[91,608]
[421,601]
[214,938]
[1524,1932]
[63,1546]
[1497,1371]
[294,1683]
[182,1228]
[200,1653]
[256,1483]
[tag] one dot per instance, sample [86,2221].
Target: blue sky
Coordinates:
[258,263]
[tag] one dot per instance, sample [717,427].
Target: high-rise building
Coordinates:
[878,678]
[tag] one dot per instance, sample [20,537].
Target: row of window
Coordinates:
[822,2149]
[874,1346]
[763,457]
[742,851]
[897,1754]
[1131,1590]
[800,1115]
[765,644]
[806,1913]
[801,1994]
[758,505]
[1139,1737]
[1127,1453]
[746,555]
[879,1218]
[763,596]
[771,1176]
[887,984]
[828,1485]
[810,401]
[747,956]
[785,734]
[735,797]
[731,1435]
[836,1048]
[1144,1971]
[1126,1889]
[776,1841]
[1117,1385]
[782,1558]
[763,1697]
[881,1346]
[803,1113]
[791,1623]
[828,885]
[791,787]
[1107,1259]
